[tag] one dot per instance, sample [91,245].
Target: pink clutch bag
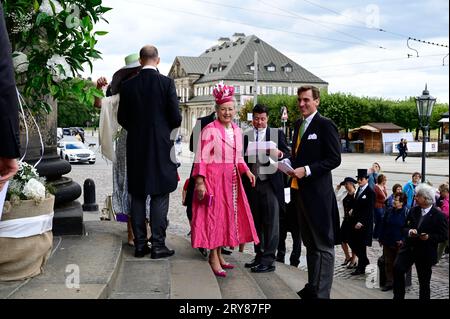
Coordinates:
[207,200]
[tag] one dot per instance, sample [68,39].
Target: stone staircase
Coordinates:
[100,265]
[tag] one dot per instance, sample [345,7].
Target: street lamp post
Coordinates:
[255,73]
[424,104]
[255,78]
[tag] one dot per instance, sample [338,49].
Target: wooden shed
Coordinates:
[371,135]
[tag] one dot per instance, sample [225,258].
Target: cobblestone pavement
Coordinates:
[397,172]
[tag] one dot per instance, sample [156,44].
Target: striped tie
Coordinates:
[294,182]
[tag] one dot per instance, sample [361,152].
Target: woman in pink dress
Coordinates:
[221,214]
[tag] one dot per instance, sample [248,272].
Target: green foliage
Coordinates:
[348,111]
[52,41]
[76,109]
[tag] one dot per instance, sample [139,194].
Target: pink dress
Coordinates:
[228,220]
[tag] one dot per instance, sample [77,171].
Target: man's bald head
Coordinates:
[149,55]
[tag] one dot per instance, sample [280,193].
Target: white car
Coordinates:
[75,152]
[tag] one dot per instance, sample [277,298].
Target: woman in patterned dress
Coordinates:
[221,214]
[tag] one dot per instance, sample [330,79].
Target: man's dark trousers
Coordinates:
[159,206]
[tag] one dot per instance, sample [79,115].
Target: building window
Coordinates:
[237,89]
[271,67]
[285,90]
[269,90]
[252,68]
[251,89]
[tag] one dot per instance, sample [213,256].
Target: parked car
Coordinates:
[66,131]
[75,152]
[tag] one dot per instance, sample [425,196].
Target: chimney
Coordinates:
[222,41]
[237,36]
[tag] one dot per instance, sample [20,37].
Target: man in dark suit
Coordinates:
[193,144]
[9,106]
[425,228]
[266,199]
[361,227]
[149,111]
[315,152]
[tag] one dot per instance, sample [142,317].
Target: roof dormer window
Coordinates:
[271,67]
[287,68]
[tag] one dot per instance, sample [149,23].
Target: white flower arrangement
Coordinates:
[59,67]
[47,8]
[34,189]
[27,185]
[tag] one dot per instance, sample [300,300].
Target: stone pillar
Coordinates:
[68,219]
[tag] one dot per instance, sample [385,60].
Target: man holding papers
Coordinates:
[263,147]
[315,152]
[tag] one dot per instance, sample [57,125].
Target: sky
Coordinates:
[358,47]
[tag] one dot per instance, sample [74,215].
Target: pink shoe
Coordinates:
[227,266]
[219,273]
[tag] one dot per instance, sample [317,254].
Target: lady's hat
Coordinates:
[348,180]
[131,61]
[132,66]
[223,93]
[362,173]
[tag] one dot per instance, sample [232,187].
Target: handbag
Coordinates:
[107,212]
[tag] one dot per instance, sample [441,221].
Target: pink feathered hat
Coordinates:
[223,93]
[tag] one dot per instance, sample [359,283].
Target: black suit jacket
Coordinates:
[193,144]
[320,150]
[276,179]
[9,104]
[149,111]
[199,125]
[434,224]
[363,213]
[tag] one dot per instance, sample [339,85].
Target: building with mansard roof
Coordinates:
[231,60]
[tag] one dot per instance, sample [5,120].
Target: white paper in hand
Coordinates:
[285,166]
[2,198]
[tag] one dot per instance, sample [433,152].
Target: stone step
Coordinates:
[239,284]
[272,285]
[192,277]
[143,278]
[80,267]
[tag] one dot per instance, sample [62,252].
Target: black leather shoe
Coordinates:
[203,251]
[295,263]
[225,252]
[139,253]
[386,288]
[280,259]
[307,293]
[161,252]
[358,272]
[263,268]
[252,264]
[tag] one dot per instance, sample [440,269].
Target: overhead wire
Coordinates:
[319,23]
[300,34]
[378,29]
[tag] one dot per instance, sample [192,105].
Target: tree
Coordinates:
[51,43]
[75,112]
